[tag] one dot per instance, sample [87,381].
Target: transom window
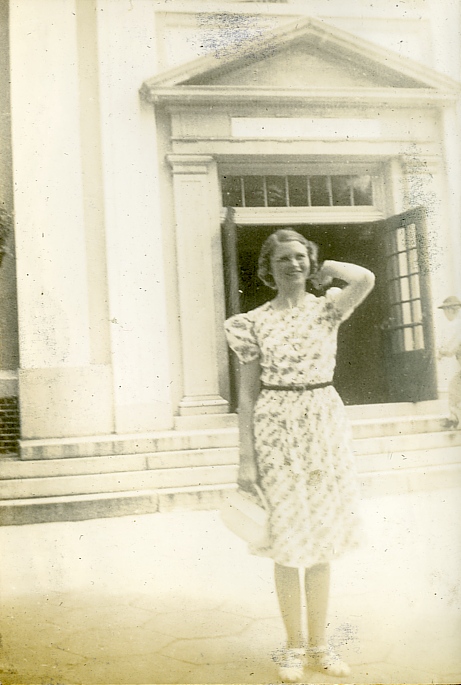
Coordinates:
[296,191]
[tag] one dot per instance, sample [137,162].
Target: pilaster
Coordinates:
[135,258]
[196,204]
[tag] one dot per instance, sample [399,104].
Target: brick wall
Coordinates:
[9,425]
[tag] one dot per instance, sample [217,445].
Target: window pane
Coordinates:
[405,288]
[231,191]
[320,197]
[363,191]
[276,191]
[413,258]
[414,280]
[341,190]
[417,312]
[254,191]
[403,264]
[406,310]
[297,190]
[408,337]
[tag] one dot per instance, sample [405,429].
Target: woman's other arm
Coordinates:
[360,283]
[248,394]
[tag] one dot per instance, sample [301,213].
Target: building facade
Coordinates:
[154,144]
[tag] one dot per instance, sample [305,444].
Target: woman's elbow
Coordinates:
[368,280]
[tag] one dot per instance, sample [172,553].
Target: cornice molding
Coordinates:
[203,95]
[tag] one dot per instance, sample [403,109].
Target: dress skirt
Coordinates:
[306,466]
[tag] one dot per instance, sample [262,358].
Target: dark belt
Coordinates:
[313,386]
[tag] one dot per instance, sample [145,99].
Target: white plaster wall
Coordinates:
[127,52]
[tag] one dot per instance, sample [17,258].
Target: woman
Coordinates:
[451,307]
[294,437]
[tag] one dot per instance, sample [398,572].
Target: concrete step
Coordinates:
[103,505]
[203,437]
[91,475]
[195,464]
[109,445]
[385,447]
[401,443]
[355,413]
[117,482]
[205,422]
[41,468]
[114,464]
[396,426]
[128,503]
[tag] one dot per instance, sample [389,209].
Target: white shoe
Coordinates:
[325,660]
[291,665]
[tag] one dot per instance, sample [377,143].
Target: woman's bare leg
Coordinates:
[321,658]
[289,596]
[317,581]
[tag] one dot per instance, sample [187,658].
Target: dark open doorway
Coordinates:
[385,349]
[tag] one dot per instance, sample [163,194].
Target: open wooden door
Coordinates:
[408,327]
[231,287]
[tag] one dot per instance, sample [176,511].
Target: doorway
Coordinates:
[371,368]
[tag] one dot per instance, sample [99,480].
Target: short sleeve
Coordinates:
[241,337]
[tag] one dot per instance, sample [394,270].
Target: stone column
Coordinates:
[196,204]
[135,258]
[65,379]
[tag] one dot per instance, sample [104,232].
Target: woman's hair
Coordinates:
[283,235]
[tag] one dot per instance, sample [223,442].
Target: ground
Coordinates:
[175,598]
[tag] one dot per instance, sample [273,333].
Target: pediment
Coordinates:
[303,55]
[302,65]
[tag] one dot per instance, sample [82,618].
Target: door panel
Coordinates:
[231,263]
[407,327]
[232,295]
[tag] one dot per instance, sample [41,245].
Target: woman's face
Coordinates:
[290,264]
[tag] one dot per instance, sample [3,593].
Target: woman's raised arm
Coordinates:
[360,282]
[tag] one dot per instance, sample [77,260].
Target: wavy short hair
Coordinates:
[283,235]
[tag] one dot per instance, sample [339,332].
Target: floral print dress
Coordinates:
[302,438]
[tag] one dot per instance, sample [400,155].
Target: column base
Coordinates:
[65,402]
[208,404]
